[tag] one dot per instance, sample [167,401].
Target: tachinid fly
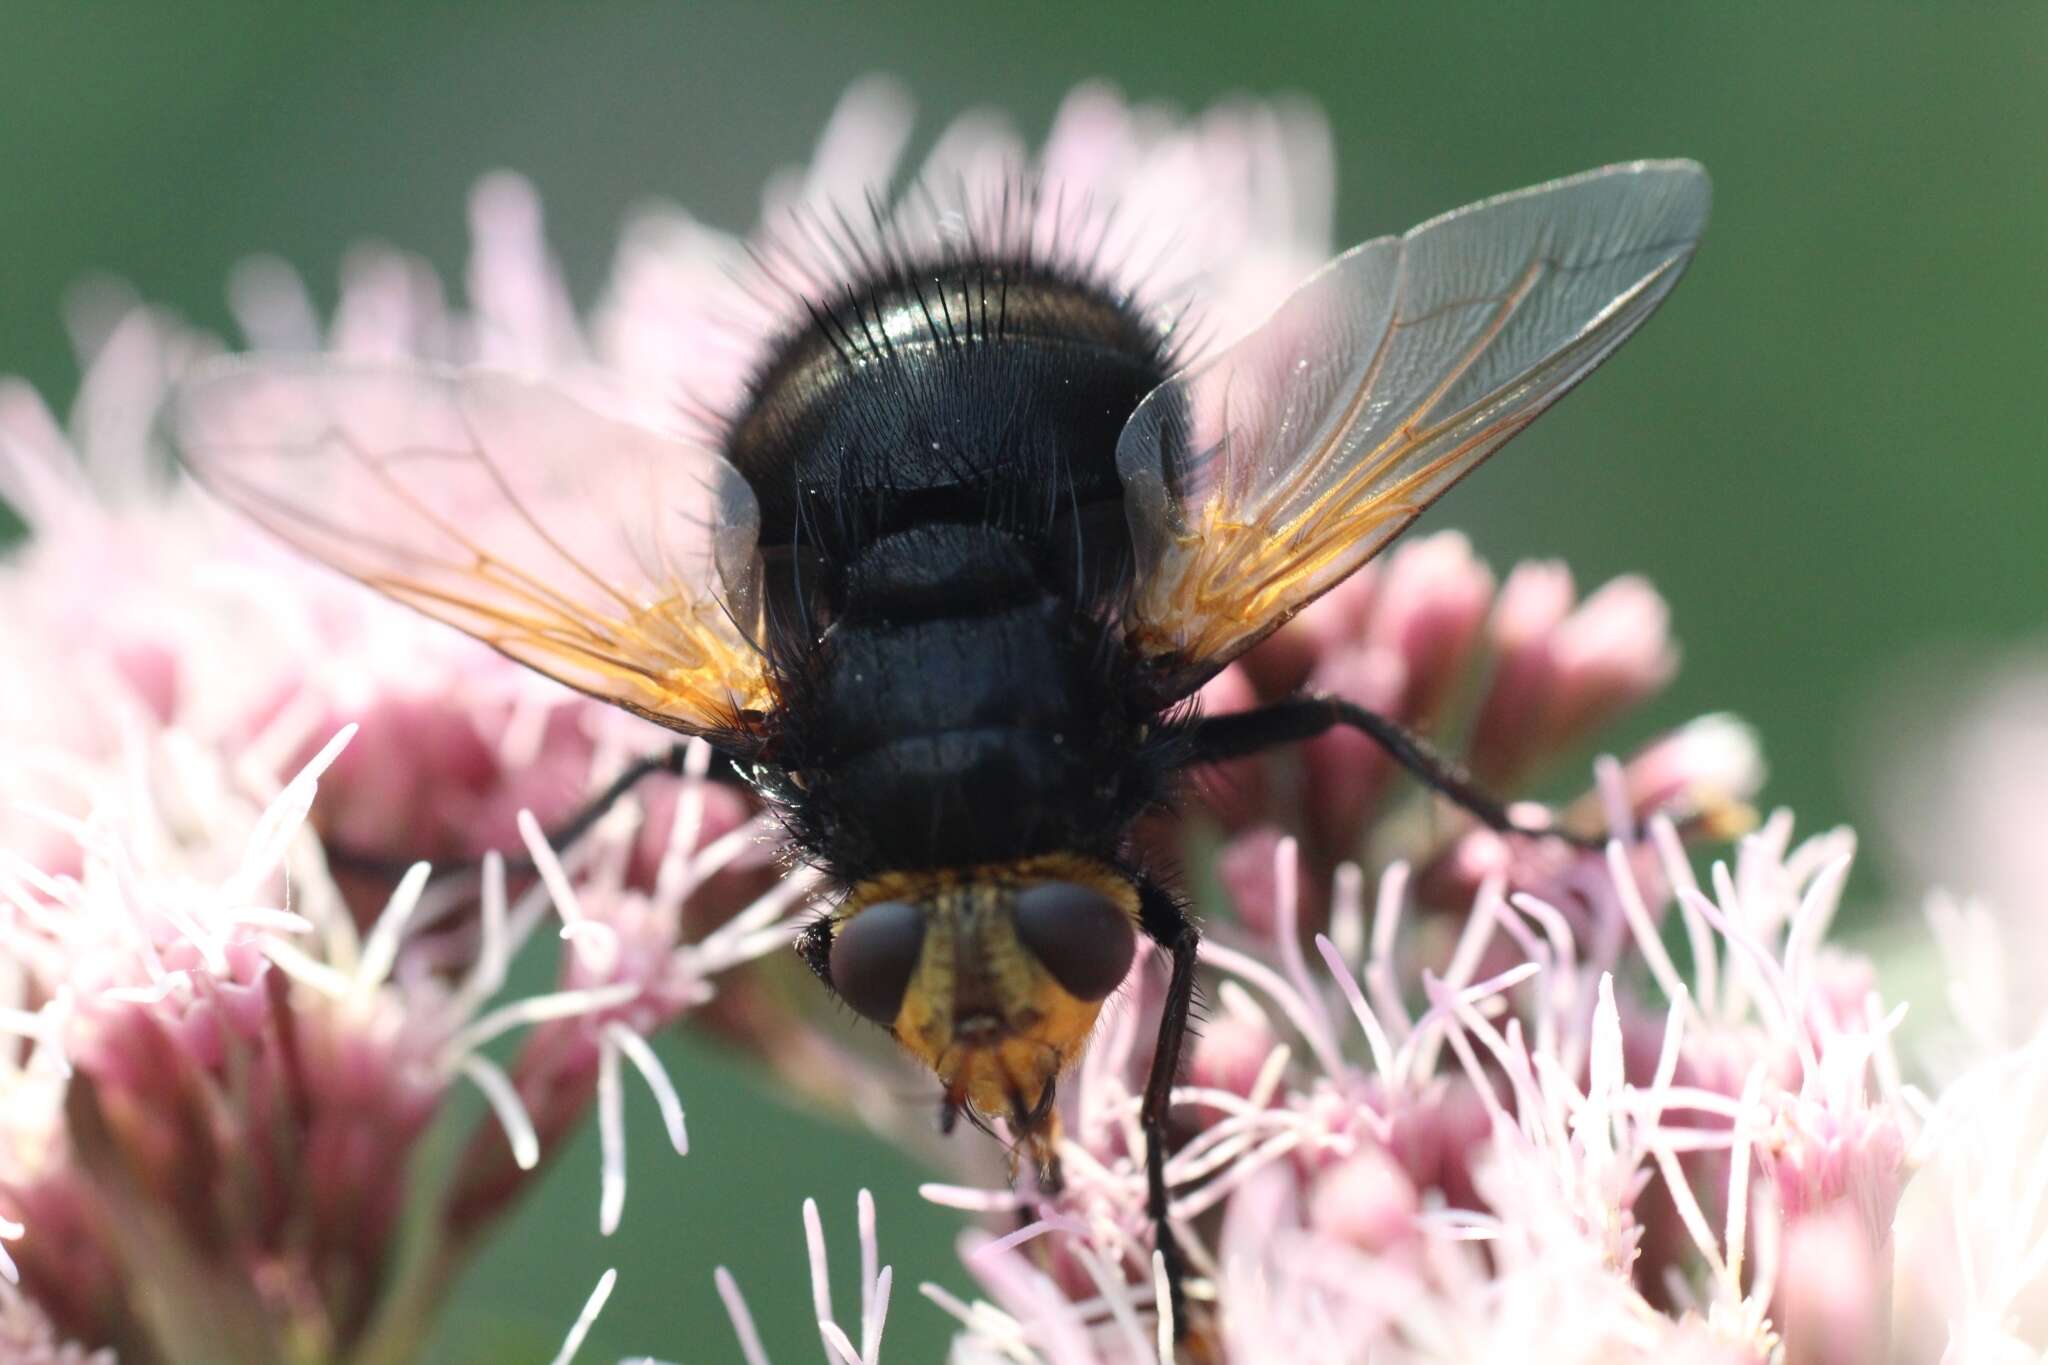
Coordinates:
[974,536]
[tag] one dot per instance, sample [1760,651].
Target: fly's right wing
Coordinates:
[1259,479]
[607,556]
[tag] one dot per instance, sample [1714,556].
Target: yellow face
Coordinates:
[1003,970]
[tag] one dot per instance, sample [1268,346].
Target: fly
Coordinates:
[974,536]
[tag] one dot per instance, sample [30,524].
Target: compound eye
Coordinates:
[873,956]
[1080,935]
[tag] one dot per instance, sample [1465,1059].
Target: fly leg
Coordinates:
[1214,739]
[669,761]
[600,805]
[1167,923]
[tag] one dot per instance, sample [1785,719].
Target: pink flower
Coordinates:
[840,1348]
[1462,1096]
[209,1035]
[1563,674]
[1433,1186]
[27,1337]
[201,625]
[185,1034]
[1405,638]
[1963,751]
[1972,1239]
[628,956]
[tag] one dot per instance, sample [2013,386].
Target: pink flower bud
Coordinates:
[1245,868]
[406,787]
[1346,773]
[1853,1161]
[1610,654]
[1366,1200]
[29,1337]
[1281,664]
[1438,1138]
[1703,772]
[1834,1292]
[1432,599]
[1231,1051]
[1508,735]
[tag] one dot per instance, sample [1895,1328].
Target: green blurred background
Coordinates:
[1827,452]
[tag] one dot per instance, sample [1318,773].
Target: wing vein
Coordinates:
[501,507]
[1376,387]
[540,531]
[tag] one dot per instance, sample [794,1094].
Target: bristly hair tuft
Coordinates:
[824,272]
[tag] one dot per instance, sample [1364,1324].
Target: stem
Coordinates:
[409,1312]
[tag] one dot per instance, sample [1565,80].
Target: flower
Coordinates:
[176,1038]
[212,1036]
[1961,747]
[1432,1186]
[1956,802]
[1973,1246]
[1565,672]
[27,1338]
[212,630]
[840,1348]
[1524,674]
[629,956]
[1456,1079]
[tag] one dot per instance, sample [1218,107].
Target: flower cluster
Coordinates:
[268,847]
[233,992]
[1427,1174]
[222,1081]
[1569,1160]
[1525,674]
[1468,1097]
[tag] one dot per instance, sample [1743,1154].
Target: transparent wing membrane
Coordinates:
[610,557]
[1259,479]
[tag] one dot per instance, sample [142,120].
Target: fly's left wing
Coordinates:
[1260,478]
[608,556]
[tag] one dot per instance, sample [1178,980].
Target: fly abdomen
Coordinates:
[936,571]
[1009,667]
[956,711]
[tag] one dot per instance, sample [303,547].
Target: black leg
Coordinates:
[670,761]
[1213,739]
[1166,923]
[600,805]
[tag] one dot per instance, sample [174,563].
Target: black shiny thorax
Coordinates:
[945,553]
